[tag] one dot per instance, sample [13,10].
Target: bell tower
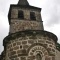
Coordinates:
[27,39]
[24,17]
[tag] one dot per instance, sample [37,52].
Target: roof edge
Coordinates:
[29,32]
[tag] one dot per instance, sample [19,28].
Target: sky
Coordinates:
[50,15]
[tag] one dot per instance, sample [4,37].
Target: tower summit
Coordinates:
[23,2]
[27,39]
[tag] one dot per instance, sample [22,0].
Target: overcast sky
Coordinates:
[50,16]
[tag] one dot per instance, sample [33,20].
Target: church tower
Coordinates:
[27,39]
[24,17]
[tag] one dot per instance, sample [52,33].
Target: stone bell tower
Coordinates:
[27,39]
[24,17]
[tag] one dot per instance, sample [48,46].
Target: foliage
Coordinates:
[58,46]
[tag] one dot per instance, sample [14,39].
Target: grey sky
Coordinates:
[50,16]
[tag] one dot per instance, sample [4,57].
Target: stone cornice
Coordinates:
[28,33]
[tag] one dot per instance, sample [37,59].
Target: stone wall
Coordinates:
[57,55]
[2,56]
[21,25]
[17,24]
[28,46]
[26,11]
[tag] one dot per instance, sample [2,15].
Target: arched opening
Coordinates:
[32,16]
[20,14]
[38,57]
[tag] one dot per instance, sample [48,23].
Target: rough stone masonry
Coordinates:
[27,39]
